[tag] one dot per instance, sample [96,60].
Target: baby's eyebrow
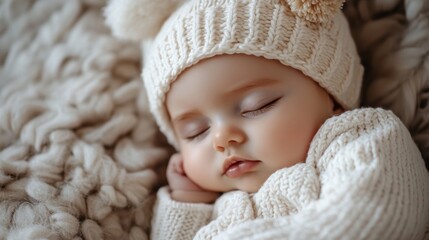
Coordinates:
[252,84]
[183,116]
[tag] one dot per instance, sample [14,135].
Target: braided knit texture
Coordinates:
[78,146]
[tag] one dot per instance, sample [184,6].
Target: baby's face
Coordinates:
[240,118]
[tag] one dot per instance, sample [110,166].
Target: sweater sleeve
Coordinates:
[373,185]
[177,220]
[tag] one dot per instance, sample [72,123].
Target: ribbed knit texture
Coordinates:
[364,178]
[178,216]
[267,28]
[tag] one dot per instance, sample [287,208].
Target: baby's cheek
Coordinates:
[197,167]
[190,163]
[290,141]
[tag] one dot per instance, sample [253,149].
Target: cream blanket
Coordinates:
[80,155]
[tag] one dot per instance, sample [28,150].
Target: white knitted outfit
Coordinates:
[363,178]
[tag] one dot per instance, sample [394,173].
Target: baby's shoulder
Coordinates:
[361,123]
[361,132]
[365,117]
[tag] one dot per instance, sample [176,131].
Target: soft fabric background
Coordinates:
[81,156]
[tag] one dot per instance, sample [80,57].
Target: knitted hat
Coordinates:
[310,35]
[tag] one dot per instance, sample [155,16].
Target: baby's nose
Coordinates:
[225,136]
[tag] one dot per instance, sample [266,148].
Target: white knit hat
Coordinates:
[310,35]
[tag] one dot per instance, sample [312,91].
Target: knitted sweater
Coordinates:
[363,178]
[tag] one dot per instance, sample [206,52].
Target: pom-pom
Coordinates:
[138,19]
[317,11]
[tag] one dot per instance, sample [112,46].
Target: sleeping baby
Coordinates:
[260,98]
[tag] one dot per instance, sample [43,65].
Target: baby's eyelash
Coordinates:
[260,110]
[197,135]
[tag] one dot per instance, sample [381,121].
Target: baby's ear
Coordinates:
[336,107]
[138,19]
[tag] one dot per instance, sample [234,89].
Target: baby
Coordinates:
[246,118]
[259,97]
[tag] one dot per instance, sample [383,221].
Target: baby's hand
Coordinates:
[184,189]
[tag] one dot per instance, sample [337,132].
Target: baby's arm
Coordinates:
[372,187]
[178,220]
[181,209]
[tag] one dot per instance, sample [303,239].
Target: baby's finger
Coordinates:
[176,162]
[182,182]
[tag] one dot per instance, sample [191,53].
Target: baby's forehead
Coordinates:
[236,67]
[220,73]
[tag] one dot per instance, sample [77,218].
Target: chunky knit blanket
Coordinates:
[81,156]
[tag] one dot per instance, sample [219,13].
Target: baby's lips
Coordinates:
[240,168]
